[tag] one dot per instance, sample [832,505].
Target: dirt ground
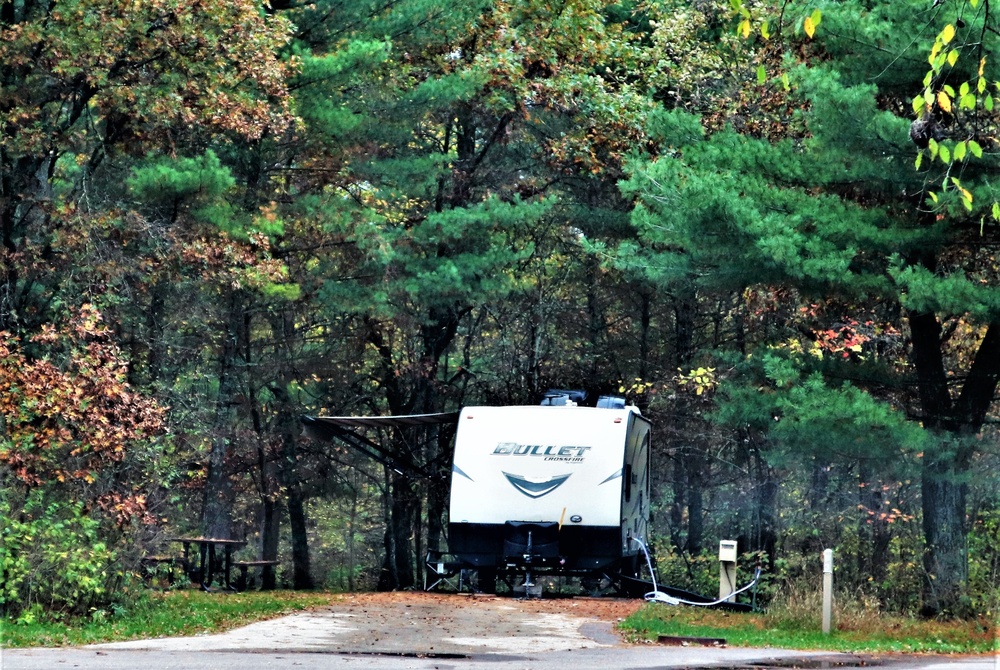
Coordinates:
[607,609]
[452,621]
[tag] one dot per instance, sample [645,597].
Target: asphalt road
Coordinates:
[493,634]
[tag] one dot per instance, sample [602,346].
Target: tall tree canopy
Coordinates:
[771,225]
[890,264]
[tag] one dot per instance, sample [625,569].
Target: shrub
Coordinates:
[79,455]
[52,560]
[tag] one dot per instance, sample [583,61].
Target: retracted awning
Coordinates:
[320,422]
[347,429]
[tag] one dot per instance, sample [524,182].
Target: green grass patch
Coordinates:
[169,614]
[864,634]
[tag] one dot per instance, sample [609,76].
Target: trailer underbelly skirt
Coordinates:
[578,549]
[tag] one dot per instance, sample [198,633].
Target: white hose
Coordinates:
[660,597]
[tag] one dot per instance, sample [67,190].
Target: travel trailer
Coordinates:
[558,489]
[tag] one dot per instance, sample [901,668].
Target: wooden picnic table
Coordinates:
[208,561]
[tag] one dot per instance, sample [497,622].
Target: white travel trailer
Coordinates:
[559,489]
[553,488]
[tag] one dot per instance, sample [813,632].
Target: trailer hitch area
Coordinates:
[531,542]
[531,557]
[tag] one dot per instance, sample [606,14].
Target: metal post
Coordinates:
[827,590]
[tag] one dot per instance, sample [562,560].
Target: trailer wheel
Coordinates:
[486,580]
[629,582]
[596,584]
[629,567]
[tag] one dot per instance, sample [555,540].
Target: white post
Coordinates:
[827,590]
[727,570]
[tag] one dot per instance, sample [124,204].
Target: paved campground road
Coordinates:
[430,631]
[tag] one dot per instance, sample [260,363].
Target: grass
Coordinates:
[859,633]
[168,614]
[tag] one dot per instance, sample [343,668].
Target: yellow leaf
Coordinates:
[944,102]
[809,26]
[948,34]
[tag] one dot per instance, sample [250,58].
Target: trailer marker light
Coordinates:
[618,420]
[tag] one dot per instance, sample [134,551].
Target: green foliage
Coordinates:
[166,186]
[173,613]
[52,558]
[818,206]
[366,207]
[806,415]
[984,563]
[78,454]
[170,180]
[697,574]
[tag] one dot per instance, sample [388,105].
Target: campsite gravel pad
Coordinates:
[476,624]
[424,624]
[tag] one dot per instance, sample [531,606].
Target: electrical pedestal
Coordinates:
[727,570]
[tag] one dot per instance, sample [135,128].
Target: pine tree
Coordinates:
[831,205]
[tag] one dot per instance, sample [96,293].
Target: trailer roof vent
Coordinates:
[561,397]
[611,402]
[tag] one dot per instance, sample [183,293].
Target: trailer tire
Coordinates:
[628,577]
[486,579]
[629,567]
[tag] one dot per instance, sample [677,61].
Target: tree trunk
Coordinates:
[216,519]
[694,465]
[398,563]
[596,325]
[437,493]
[287,426]
[696,509]
[952,424]
[403,534]
[270,534]
[764,522]
[301,571]
[679,485]
[946,560]
[645,330]
[270,509]
[351,531]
